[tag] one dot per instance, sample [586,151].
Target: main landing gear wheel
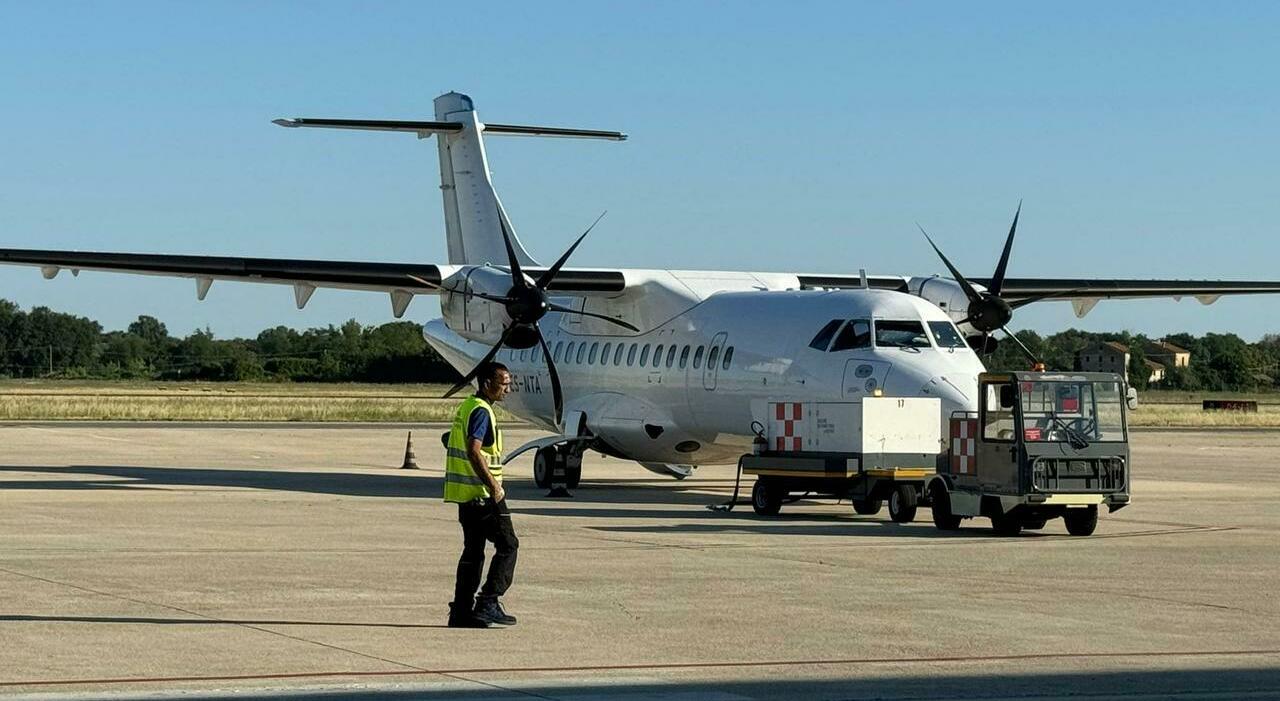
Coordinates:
[572,471]
[943,519]
[544,462]
[1081,521]
[867,507]
[766,499]
[902,504]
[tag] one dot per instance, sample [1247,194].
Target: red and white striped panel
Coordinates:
[964,446]
[786,432]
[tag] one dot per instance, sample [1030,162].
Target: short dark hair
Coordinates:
[489,371]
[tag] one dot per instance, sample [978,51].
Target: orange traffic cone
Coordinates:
[410,460]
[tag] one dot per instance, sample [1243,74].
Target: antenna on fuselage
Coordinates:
[862,279]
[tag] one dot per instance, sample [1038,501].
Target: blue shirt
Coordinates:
[479,427]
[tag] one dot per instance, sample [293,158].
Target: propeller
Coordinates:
[988,311]
[526,304]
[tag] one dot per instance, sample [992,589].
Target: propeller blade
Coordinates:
[1023,346]
[997,280]
[481,295]
[556,393]
[517,275]
[545,279]
[1041,298]
[566,310]
[969,292]
[466,380]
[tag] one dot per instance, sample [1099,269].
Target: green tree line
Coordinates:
[1219,362]
[44,343]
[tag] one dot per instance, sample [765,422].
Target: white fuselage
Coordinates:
[683,409]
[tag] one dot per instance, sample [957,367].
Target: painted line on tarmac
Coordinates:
[659,666]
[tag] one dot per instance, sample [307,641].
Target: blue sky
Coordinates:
[802,137]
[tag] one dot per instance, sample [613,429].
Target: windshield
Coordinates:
[946,335]
[1072,412]
[900,334]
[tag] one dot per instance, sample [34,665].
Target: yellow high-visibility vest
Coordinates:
[461,483]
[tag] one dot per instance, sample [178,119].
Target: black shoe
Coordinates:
[463,618]
[490,611]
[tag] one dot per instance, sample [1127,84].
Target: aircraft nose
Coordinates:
[955,395]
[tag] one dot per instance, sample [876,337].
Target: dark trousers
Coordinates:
[485,521]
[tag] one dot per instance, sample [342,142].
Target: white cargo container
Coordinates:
[884,425]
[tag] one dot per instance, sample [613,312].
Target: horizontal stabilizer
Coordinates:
[423,128]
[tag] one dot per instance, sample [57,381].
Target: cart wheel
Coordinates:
[1006,524]
[766,499]
[902,504]
[1081,521]
[867,507]
[943,519]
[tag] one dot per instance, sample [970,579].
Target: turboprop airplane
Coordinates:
[669,368]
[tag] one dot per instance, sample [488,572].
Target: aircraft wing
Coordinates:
[1016,289]
[1084,293]
[304,275]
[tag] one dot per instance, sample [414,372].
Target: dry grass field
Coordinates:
[263,401]
[218,401]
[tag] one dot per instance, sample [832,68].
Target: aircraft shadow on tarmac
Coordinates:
[146,620]
[407,484]
[126,477]
[1109,685]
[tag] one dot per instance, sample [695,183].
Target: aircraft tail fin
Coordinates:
[473,214]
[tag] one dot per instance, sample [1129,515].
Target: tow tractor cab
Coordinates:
[1040,446]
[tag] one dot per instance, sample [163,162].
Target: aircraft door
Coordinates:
[863,377]
[715,354]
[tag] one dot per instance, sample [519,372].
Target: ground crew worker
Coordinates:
[473,481]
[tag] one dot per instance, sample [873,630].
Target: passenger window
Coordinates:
[604,354]
[591,357]
[684,357]
[712,356]
[671,356]
[657,356]
[644,355]
[555,356]
[582,351]
[997,420]
[728,358]
[536,354]
[823,339]
[697,357]
[631,356]
[855,334]
[617,355]
[568,353]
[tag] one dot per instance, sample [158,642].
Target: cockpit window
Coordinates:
[900,334]
[855,334]
[946,335]
[823,339]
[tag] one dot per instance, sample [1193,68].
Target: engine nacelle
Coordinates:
[471,317]
[945,294]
